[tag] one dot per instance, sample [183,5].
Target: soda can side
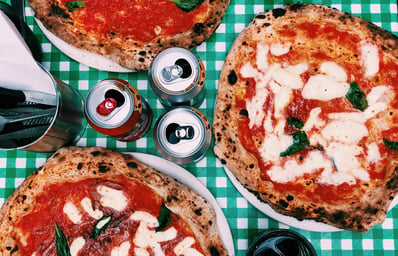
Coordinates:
[177,76]
[115,108]
[182,135]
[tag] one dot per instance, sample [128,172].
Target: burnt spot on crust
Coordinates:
[96,153]
[278,12]
[58,11]
[260,16]
[142,53]
[289,198]
[79,166]
[296,6]
[244,112]
[102,168]
[214,251]
[198,28]
[172,198]
[198,211]
[132,165]
[232,78]
[283,203]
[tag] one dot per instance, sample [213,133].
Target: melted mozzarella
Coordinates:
[77,245]
[88,207]
[72,213]
[314,121]
[255,108]
[262,57]
[183,248]
[112,198]
[146,236]
[278,49]
[324,88]
[334,71]
[373,154]
[141,252]
[248,71]
[287,78]
[122,250]
[370,58]
[345,130]
[292,170]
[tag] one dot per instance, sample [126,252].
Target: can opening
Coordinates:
[118,96]
[175,133]
[186,68]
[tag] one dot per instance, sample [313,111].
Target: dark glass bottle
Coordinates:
[280,242]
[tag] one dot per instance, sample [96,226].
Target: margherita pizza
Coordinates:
[130,32]
[307,115]
[93,201]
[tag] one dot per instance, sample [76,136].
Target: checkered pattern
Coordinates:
[244,220]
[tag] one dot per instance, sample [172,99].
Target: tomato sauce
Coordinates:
[137,19]
[49,210]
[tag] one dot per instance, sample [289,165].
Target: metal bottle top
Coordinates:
[109,104]
[175,70]
[182,135]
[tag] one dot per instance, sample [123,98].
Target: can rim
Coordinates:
[92,119]
[199,150]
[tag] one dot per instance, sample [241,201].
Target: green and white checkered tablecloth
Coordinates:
[244,220]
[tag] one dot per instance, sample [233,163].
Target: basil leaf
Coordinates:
[294,121]
[164,218]
[74,5]
[390,144]
[357,97]
[101,225]
[61,243]
[300,141]
[187,5]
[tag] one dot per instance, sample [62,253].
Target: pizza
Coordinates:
[306,115]
[130,32]
[94,201]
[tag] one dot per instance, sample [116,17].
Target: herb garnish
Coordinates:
[164,218]
[101,225]
[390,144]
[61,243]
[74,5]
[294,121]
[187,5]
[357,97]
[300,141]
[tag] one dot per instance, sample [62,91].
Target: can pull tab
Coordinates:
[106,106]
[180,69]
[175,133]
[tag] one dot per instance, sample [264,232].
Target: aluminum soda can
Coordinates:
[182,135]
[177,76]
[115,108]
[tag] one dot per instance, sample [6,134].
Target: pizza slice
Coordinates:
[93,201]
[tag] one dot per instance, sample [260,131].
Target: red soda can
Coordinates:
[115,108]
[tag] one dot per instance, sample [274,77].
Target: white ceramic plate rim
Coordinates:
[177,172]
[309,225]
[87,58]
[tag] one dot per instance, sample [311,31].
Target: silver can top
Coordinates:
[175,70]
[109,103]
[182,135]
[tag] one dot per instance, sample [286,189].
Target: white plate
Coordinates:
[309,225]
[177,172]
[87,58]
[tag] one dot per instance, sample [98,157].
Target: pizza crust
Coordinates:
[130,53]
[73,164]
[357,215]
